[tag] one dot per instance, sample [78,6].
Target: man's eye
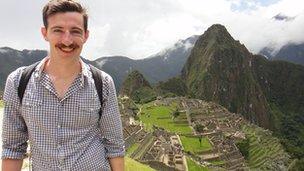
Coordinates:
[57,31]
[76,32]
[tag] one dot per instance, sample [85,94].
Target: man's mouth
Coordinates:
[67,49]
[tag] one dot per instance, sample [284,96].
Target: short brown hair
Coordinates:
[61,6]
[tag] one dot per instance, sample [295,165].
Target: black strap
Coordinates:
[97,76]
[27,72]
[25,77]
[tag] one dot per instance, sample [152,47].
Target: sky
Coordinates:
[140,28]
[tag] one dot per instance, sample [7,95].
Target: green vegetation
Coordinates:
[217,162]
[142,148]
[138,88]
[199,128]
[192,166]
[174,86]
[161,116]
[243,146]
[297,165]
[143,95]
[192,144]
[285,96]
[131,149]
[132,165]
[264,149]
[1,104]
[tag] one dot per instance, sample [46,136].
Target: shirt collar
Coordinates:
[84,69]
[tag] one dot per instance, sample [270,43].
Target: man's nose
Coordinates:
[67,38]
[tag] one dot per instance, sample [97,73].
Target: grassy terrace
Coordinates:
[132,165]
[1,104]
[161,116]
[192,166]
[264,150]
[131,149]
[193,145]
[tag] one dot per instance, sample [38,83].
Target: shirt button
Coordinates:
[58,126]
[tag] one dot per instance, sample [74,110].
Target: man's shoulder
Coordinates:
[105,76]
[16,74]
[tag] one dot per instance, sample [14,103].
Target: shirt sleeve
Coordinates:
[110,122]
[14,130]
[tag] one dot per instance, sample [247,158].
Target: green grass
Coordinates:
[193,145]
[1,104]
[143,148]
[192,166]
[131,149]
[161,116]
[133,165]
[217,162]
[263,148]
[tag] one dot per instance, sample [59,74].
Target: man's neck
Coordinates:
[62,68]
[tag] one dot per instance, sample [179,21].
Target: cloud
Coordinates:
[138,29]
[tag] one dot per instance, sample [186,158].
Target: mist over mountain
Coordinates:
[291,52]
[159,67]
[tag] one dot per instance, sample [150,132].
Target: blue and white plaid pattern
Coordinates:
[64,134]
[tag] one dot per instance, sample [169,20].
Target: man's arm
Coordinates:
[111,127]
[14,130]
[117,163]
[11,164]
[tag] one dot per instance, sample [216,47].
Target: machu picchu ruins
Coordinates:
[163,149]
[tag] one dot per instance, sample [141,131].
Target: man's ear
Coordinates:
[44,33]
[86,35]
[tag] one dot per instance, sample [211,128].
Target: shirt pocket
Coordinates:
[32,111]
[89,112]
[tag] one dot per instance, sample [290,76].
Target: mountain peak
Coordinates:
[218,33]
[219,69]
[134,81]
[137,88]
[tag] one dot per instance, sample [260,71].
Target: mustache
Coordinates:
[70,46]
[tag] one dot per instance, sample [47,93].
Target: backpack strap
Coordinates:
[27,72]
[25,77]
[97,76]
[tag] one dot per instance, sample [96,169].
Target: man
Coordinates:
[59,112]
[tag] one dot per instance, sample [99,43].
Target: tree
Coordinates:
[175,114]
[200,140]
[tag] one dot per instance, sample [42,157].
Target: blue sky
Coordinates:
[140,28]
[251,4]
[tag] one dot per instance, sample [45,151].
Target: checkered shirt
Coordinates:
[64,134]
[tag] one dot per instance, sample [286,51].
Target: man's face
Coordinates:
[66,34]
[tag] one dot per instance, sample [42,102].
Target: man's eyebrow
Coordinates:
[77,28]
[56,27]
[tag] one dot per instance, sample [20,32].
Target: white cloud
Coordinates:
[137,28]
[96,42]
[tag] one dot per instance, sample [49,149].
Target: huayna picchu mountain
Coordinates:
[219,69]
[137,88]
[268,93]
